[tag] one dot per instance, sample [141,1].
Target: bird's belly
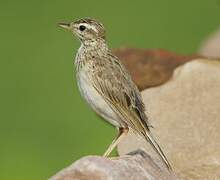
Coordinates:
[95,100]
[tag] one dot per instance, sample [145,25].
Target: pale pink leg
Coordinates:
[122,133]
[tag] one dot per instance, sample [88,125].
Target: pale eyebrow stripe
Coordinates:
[89,26]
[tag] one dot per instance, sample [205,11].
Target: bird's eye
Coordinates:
[82,28]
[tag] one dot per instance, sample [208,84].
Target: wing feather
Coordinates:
[116,87]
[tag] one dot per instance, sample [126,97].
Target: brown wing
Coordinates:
[114,83]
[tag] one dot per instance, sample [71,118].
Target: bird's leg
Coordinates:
[122,132]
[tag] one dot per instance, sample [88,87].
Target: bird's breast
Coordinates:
[93,98]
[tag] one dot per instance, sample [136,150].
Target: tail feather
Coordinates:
[157,148]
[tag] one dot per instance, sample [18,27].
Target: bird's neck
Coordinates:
[94,42]
[90,49]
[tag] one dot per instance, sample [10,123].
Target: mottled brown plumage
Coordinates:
[107,86]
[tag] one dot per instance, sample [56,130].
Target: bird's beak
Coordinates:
[64,25]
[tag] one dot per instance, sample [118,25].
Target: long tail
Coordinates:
[157,148]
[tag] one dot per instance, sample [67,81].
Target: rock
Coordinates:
[211,46]
[137,165]
[185,113]
[150,67]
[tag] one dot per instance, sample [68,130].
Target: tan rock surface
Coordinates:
[186,115]
[138,166]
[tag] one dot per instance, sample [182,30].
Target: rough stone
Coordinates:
[136,166]
[185,113]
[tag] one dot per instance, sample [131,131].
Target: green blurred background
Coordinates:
[44,123]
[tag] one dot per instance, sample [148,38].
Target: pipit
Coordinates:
[107,86]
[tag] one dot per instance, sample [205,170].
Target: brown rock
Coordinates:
[150,67]
[185,112]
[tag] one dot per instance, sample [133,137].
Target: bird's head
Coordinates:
[86,29]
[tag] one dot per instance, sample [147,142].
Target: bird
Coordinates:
[107,86]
